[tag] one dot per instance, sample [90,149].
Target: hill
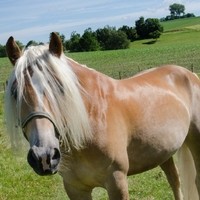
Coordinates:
[181,24]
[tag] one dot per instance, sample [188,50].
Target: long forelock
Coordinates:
[61,88]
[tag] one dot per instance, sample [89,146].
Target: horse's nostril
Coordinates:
[56,154]
[48,159]
[32,159]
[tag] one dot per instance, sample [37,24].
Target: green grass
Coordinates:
[181,48]
[180,24]
[18,181]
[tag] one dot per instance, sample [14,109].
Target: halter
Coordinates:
[39,114]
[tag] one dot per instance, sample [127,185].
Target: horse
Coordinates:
[95,130]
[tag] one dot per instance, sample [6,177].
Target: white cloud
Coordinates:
[192,7]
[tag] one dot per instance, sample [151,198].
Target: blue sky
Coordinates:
[34,19]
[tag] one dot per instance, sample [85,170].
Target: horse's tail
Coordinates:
[187,173]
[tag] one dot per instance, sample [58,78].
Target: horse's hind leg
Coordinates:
[193,143]
[187,172]
[172,176]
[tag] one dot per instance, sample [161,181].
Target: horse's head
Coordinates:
[34,113]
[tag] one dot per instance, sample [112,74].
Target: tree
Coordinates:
[73,44]
[109,38]
[131,32]
[153,28]
[188,15]
[117,40]
[176,10]
[88,41]
[140,28]
[149,28]
[155,34]
[2,51]
[103,35]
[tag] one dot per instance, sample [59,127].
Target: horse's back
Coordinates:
[157,111]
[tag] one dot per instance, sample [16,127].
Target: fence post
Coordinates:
[120,77]
[192,68]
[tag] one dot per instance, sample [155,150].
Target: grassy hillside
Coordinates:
[181,48]
[178,45]
[181,24]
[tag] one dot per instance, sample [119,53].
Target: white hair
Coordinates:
[61,89]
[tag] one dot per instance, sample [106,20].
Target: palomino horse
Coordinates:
[96,130]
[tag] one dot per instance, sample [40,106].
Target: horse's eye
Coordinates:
[14,93]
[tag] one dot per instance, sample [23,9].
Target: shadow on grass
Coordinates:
[150,42]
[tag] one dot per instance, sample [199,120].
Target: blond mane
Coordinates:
[62,90]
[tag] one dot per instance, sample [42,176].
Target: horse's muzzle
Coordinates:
[44,160]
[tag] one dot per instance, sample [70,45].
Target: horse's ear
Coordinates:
[13,50]
[55,45]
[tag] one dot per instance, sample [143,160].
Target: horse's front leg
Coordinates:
[117,186]
[75,193]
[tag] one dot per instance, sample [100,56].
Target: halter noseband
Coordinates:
[39,114]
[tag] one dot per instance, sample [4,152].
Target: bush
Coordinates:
[2,51]
[130,32]
[117,40]
[149,28]
[109,38]
[73,44]
[88,41]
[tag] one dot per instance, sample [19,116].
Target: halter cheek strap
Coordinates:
[40,114]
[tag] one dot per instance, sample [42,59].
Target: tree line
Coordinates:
[110,38]
[177,11]
[107,38]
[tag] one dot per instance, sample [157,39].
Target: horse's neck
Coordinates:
[96,84]
[88,78]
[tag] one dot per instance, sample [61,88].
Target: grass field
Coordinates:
[181,24]
[180,45]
